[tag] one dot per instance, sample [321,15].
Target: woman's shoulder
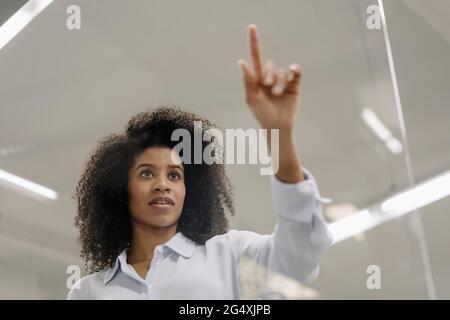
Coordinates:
[238,239]
[227,236]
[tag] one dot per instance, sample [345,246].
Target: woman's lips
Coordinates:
[161,206]
[161,203]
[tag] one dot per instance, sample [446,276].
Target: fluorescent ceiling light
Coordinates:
[375,124]
[28,185]
[420,196]
[381,131]
[350,226]
[405,202]
[20,19]
[394,145]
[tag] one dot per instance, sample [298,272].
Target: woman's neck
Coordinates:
[144,240]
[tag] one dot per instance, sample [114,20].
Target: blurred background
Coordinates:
[373,128]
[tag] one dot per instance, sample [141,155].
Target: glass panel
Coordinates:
[420,37]
[392,249]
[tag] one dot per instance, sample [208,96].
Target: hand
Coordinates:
[271,93]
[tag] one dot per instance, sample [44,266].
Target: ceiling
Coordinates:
[62,90]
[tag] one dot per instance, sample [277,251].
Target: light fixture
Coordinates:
[350,226]
[28,185]
[428,192]
[20,19]
[381,131]
[400,204]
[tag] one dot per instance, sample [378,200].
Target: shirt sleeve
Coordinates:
[301,235]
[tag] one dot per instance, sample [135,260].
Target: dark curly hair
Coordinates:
[103,215]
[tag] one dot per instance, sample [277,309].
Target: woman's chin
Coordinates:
[162,220]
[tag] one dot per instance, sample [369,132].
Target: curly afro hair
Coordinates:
[103,216]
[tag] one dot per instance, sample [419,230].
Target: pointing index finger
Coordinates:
[254,49]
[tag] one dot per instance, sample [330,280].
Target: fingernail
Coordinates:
[294,66]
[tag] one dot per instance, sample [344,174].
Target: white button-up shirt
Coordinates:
[181,269]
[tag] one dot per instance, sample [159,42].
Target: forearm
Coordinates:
[289,170]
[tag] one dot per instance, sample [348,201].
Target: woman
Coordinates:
[153,227]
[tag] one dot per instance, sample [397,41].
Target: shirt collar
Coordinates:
[181,245]
[178,243]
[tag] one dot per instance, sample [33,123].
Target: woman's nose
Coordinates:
[161,186]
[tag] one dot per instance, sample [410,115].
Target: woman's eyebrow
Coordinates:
[176,166]
[153,166]
[145,165]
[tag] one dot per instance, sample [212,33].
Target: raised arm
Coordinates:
[301,236]
[273,95]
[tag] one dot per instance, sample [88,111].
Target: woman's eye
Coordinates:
[146,173]
[174,175]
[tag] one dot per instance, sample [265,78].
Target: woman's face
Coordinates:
[156,188]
